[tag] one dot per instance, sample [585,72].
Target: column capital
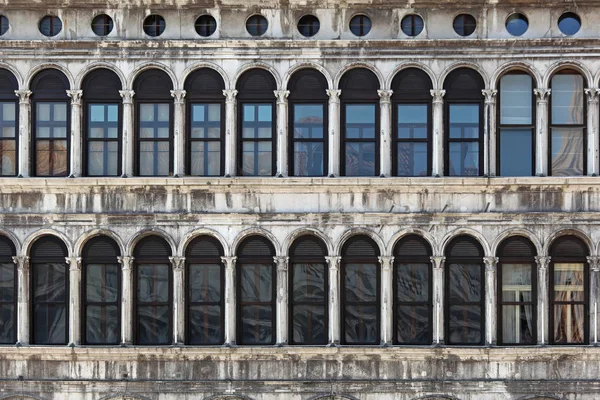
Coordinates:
[333,261]
[75,96]
[438,261]
[385,95]
[125,262]
[23,96]
[281,96]
[592,95]
[542,94]
[334,95]
[594,262]
[438,95]
[490,263]
[127,96]
[542,262]
[386,262]
[281,262]
[179,96]
[230,95]
[490,95]
[178,263]
[229,262]
[22,262]
[74,263]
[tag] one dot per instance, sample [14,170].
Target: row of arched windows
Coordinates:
[309,292]
[308,120]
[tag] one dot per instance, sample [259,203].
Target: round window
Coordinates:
[3,24]
[517,24]
[360,25]
[308,25]
[102,25]
[412,25]
[257,25]
[205,25]
[154,25]
[569,23]
[464,24]
[50,25]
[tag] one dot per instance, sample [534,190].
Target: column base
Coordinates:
[126,344]
[333,344]
[229,345]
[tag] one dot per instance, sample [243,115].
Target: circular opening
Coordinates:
[102,25]
[257,25]
[569,23]
[464,24]
[3,24]
[412,25]
[50,25]
[154,25]
[308,25]
[517,24]
[206,25]
[360,25]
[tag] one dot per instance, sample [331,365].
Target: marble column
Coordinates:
[230,132]
[24,131]
[334,299]
[179,132]
[334,132]
[178,264]
[542,303]
[282,132]
[491,315]
[437,154]
[594,264]
[282,300]
[438,299]
[127,296]
[385,110]
[229,263]
[387,300]
[76,139]
[541,142]
[592,131]
[74,300]
[23,308]
[128,132]
[489,133]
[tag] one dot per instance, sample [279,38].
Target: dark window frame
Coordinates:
[461,22]
[376,140]
[139,140]
[102,25]
[412,18]
[52,19]
[256,22]
[8,259]
[152,25]
[308,25]
[88,141]
[205,25]
[220,140]
[7,95]
[361,29]
[242,140]
[4,24]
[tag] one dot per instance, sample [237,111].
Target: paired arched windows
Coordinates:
[8,124]
[8,292]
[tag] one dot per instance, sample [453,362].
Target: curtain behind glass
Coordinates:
[517,317]
[205,313]
[569,298]
[413,304]
[257,303]
[153,304]
[309,303]
[102,312]
[8,316]
[49,303]
[465,310]
[361,289]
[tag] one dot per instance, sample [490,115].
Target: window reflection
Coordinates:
[413,131]
[206,139]
[308,139]
[154,139]
[257,140]
[360,140]
[103,140]
[464,140]
[51,139]
[8,139]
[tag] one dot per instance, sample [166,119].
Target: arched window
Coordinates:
[517,294]
[50,291]
[464,123]
[308,291]
[51,123]
[205,291]
[413,291]
[360,123]
[8,123]
[516,124]
[569,293]
[361,294]
[412,126]
[8,292]
[206,123]
[256,291]
[257,139]
[103,124]
[568,144]
[101,291]
[154,124]
[153,306]
[308,142]
[464,286]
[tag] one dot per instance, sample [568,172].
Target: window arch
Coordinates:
[153,289]
[256,115]
[412,123]
[413,299]
[50,291]
[569,291]
[205,283]
[103,123]
[309,286]
[568,142]
[9,117]
[360,123]
[51,123]
[464,123]
[361,291]
[517,292]
[154,124]
[101,291]
[308,144]
[8,292]
[256,277]
[206,123]
[464,287]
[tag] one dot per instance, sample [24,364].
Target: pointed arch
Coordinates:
[568,232]
[130,246]
[568,64]
[40,67]
[463,64]
[411,64]
[289,240]
[411,231]
[252,232]
[191,235]
[515,66]
[307,65]
[468,232]
[83,239]
[260,65]
[100,65]
[34,236]
[359,231]
[359,64]
[516,232]
[151,65]
[205,64]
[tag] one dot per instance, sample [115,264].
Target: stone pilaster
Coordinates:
[128,132]
[178,132]
[594,265]
[76,132]
[23,305]
[491,315]
[542,304]
[438,299]
[74,300]
[282,132]
[489,132]
[282,300]
[334,132]
[334,299]
[230,131]
[437,155]
[592,131]
[127,296]
[541,141]
[385,105]
[230,303]
[24,131]
[178,264]
[387,299]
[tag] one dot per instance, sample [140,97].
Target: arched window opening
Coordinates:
[154,124]
[101,286]
[308,289]
[465,318]
[8,123]
[103,123]
[360,123]
[517,294]
[413,291]
[256,116]
[153,306]
[568,142]
[361,291]
[206,123]
[412,123]
[464,123]
[50,292]
[308,144]
[569,293]
[205,292]
[51,123]
[516,125]
[8,292]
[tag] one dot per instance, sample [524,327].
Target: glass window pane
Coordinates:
[567,151]
[257,324]
[517,324]
[49,321]
[8,112]
[146,112]
[7,283]
[361,324]
[308,283]
[464,159]
[465,324]
[163,112]
[60,112]
[102,324]
[308,159]
[412,121]
[309,324]
[214,112]
[360,282]
[516,104]
[569,282]
[153,324]
[43,111]
[412,282]
[8,327]
[113,112]
[198,112]
[567,100]
[153,283]
[569,323]
[8,157]
[464,283]
[264,132]
[516,152]
[360,159]
[360,114]
[102,283]
[205,325]
[249,112]
[256,282]
[205,283]
[412,159]
[516,282]
[7,132]
[265,113]
[464,121]
[97,113]
[413,325]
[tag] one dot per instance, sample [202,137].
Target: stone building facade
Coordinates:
[499,173]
